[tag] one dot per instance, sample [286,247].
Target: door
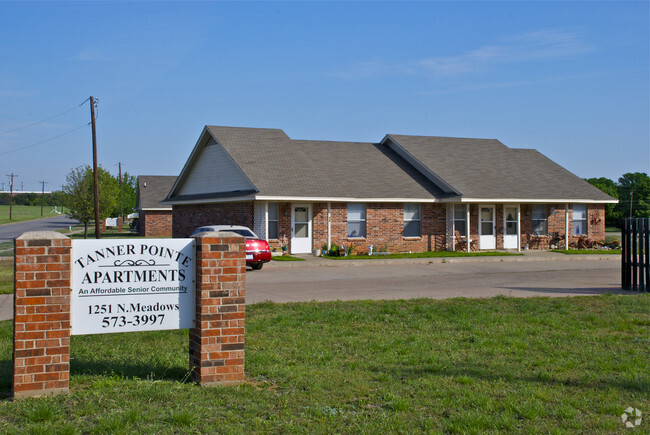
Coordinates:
[301,228]
[486,235]
[510,227]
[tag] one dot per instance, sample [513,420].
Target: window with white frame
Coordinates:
[460,219]
[273,221]
[540,222]
[412,220]
[356,219]
[579,219]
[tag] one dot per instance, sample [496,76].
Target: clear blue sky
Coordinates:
[570,79]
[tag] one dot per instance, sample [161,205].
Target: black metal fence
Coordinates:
[635,267]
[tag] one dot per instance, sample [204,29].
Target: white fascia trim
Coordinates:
[156,209]
[333,199]
[213,201]
[534,201]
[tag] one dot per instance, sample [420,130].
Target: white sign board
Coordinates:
[132,285]
[111,222]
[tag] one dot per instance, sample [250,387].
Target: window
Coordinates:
[539,220]
[412,220]
[579,219]
[510,213]
[460,219]
[273,221]
[356,220]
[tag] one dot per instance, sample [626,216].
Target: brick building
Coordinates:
[405,193]
[154,217]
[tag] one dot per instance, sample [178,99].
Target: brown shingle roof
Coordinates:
[152,189]
[487,169]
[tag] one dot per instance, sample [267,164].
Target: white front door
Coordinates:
[486,233]
[510,227]
[301,228]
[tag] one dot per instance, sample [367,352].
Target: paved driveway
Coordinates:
[9,232]
[326,280]
[396,280]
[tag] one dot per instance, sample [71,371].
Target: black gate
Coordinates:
[635,267]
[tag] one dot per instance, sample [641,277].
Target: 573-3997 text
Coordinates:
[137,320]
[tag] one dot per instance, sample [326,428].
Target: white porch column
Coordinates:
[469,231]
[329,225]
[266,220]
[566,227]
[518,227]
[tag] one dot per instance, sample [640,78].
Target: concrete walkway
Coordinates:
[536,273]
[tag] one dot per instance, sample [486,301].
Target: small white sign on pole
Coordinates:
[132,285]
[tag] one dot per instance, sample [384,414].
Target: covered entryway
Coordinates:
[487,236]
[510,226]
[301,228]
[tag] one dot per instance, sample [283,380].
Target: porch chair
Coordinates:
[460,243]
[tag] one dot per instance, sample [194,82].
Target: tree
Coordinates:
[79,191]
[126,200]
[634,187]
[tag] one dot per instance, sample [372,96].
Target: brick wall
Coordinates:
[155,223]
[384,227]
[41,363]
[42,312]
[556,215]
[187,218]
[384,224]
[217,342]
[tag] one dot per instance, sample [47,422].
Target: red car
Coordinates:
[257,250]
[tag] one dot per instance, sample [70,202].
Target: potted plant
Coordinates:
[284,245]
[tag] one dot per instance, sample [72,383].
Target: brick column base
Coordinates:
[41,363]
[217,341]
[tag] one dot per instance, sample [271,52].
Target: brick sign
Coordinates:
[125,285]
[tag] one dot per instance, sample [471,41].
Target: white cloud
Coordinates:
[532,46]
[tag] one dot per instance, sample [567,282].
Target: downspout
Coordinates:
[518,227]
[469,230]
[266,220]
[329,225]
[566,227]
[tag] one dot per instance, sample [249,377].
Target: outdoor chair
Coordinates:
[460,243]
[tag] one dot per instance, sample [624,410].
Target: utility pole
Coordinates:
[11,194]
[120,184]
[42,195]
[98,234]
[62,195]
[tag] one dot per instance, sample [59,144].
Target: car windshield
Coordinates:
[241,232]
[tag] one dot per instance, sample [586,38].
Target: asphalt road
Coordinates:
[9,232]
[538,274]
[437,280]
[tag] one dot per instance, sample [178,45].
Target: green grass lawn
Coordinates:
[6,277]
[286,258]
[21,213]
[499,365]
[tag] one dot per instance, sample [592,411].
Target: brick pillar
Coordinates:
[119,224]
[41,363]
[217,341]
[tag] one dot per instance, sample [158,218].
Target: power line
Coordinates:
[46,140]
[44,120]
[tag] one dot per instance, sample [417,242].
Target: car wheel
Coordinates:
[257,266]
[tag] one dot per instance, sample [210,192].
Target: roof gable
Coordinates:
[487,169]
